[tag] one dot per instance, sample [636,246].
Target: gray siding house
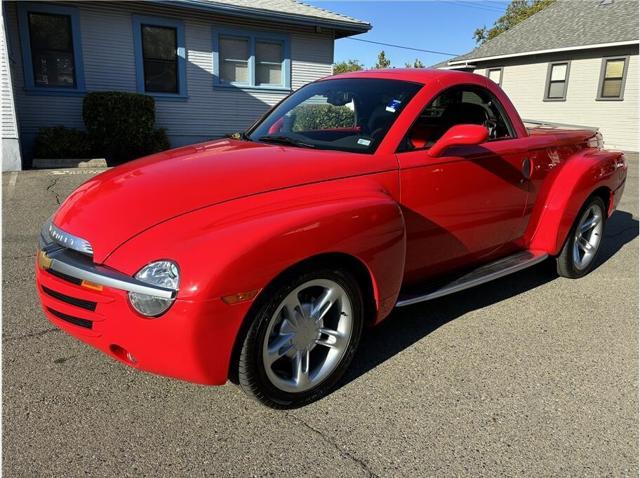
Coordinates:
[213,66]
[574,62]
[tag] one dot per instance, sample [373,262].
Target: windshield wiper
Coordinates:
[285,140]
[239,135]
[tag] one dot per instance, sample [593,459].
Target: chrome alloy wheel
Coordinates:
[587,237]
[307,335]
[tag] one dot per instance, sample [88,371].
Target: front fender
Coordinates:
[565,190]
[242,245]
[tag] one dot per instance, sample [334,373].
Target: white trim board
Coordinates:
[540,52]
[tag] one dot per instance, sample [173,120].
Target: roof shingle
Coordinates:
[287,10]
[565,24]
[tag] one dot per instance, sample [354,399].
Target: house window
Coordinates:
[234,60]
[51,54]
[557,79]
[495,75]
[160,57]
[269,58]
[251,59]
[51,50]
[159,54]
[612,78]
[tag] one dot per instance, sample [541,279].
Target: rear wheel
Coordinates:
[578,256]
[302,339]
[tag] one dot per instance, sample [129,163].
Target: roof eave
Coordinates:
[542,52]
[342,28]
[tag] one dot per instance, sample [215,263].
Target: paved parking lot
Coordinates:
[529,375]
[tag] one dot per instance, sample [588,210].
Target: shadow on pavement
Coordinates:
[408,325]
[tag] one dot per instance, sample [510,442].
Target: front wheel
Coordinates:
[302,338]
[578,256]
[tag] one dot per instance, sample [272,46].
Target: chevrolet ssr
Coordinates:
[259,258]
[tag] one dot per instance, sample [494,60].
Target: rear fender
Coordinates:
[565,190]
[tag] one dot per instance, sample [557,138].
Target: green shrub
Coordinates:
[121,125]
[314,117]
[59,142]
[158,141]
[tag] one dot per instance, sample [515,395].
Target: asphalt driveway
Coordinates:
[529,375]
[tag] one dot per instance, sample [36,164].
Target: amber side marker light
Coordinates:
[90,285]
[240,297]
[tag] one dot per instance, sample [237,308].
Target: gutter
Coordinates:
[541,52]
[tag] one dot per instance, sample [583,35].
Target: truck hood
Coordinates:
[112,207]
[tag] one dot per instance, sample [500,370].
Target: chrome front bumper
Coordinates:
[55,257]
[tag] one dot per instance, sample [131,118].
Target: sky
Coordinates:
[445,26]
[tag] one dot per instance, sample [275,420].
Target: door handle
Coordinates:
[527,168]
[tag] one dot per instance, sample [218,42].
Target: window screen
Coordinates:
[268,63]
[557,81]
[159,53]
[495,75]
[52,50]
[234,59]
[613,78]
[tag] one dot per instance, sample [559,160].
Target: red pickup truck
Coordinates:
[260,258]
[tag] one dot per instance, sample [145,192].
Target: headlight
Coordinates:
[163,274]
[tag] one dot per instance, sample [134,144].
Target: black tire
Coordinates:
[566,265]
[252,375]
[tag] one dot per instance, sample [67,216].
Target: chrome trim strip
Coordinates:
[67,240]
[462,284]
[559,125]
[80,267]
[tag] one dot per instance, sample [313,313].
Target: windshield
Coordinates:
[350,114]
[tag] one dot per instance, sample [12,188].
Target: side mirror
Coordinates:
[458,135]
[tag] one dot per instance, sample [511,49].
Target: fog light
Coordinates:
[123,354]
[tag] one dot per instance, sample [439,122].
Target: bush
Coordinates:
[121,125]
[315,117]
[158,141]
[59,142]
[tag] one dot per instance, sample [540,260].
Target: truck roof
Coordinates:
[417,75]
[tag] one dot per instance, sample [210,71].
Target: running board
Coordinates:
[488,272]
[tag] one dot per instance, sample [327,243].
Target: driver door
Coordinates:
[468,205]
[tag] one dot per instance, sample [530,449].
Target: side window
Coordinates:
[458,105]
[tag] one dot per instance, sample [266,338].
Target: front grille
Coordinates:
[85,304]
[87,324]
[65,277]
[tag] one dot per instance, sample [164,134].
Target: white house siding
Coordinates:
[525,84]
[10,141]
[109,65]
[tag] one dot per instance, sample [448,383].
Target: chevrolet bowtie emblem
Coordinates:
[44,260]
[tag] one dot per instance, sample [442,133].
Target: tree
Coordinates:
[517,11]
[383,61]
[416,64]
[346,66]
